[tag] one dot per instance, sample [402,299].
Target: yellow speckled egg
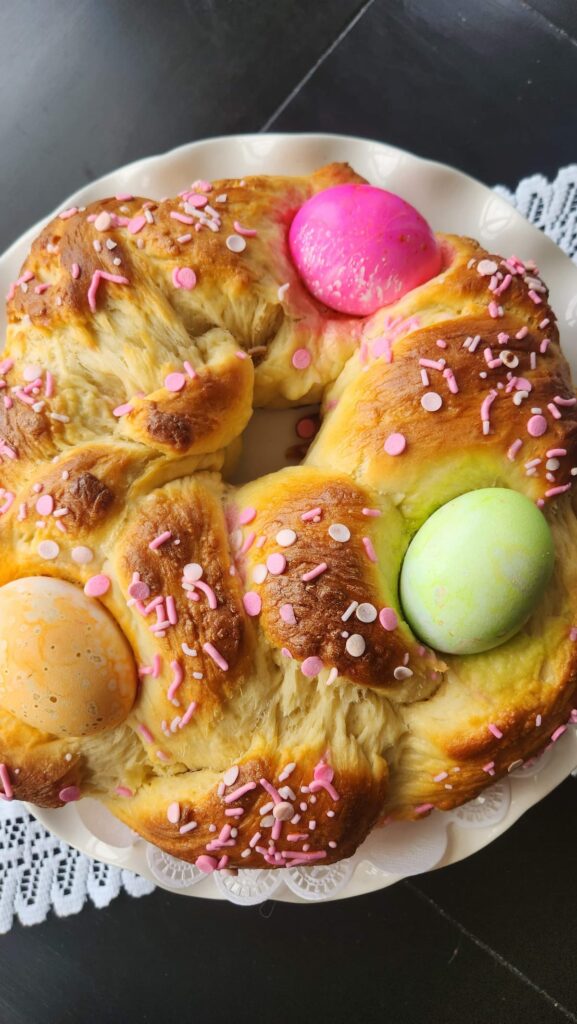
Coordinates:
[65,666]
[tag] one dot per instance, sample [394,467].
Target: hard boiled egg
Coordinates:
[65,666]
[476,570]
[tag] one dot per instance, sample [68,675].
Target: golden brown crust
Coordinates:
[233,691]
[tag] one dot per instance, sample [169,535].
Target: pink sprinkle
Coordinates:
[370,550]
[70,212]
[502,338]
[311,667]
[373,512]
[124,197]
[41,288]
[537,426]
[123,410]
[160,540]
[6,783]
[97,586]
[69,794]
[146,733]
[45,505]
[382,347]
[441,777]
[171,611]
[441,343]
[312,514]
[534,297]
[388,619]
[556,453]
[181,217]
[512,452]
[301,359]
[204,863]
[287,614]
[234,812]
[177,679]
[313,573]
[553,491]
[156,601]
[218,659]
[136,224]
[558,733]
[175,381]
[247,542]
[247,515]
[431,364]
[422,808]
[495,731]
[564,401]
[97,277]
[248,232]
[306,428]
[187,828]
[49,385]
[189,369]
[124,791]
[504,285]
[184,238]
[252,603]
[554,411]
[573,634]
[8,403]
[544,346]
[187,714]
[209,592]
[486,405]
[489,768]
[544,323]
[494,308]
[237,793]
[184,277]
[395,444]
[276,564]
[139,590]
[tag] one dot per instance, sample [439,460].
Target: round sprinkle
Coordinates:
[402,672]
[236,243]
[69,794]
[486,268]
[431,401]
[247,515]
[276,564]
[96,586]
[366,612]
[103,221]
[252,603]
[48,549]
[195,199]
[139,590]
[45,505]
[192,572]
[82,555]
[552,465]
[306,428]
[231,775]
[301,359]
[339,532]
[285,538]
[283,811]
[537,426]
[355,645]
[259,573]
[175,381]
[311,667]
[173,813]
[388,619]
[32,372]
[185,277]
[396,443]
[509,359]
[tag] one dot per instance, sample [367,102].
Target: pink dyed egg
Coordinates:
[358,248]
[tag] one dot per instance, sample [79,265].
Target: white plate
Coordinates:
[451,202]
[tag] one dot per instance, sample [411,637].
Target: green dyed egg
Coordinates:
[475,571]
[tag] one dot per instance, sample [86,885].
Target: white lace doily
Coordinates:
[39,872]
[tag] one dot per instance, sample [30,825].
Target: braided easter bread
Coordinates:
[229,670]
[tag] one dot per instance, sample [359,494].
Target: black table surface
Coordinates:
[485,85]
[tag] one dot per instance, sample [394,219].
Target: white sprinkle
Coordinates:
[352,608]
[268,821]
[103,222]
[236,243]
[533,360]
[190,651]
[38,406]
[197,675]
[339,532]
[231,775]
[366,612]
[402,672]
[285,538]
[355,645]
[82,555]
[111,244]
[259,573]
[192,572]
[431,401]
[148,216]
[487,267]
[48,549]
[117,261]
[283,290]
[96,245]
[519,397]
[221,198]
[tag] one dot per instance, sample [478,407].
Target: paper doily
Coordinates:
[39,872]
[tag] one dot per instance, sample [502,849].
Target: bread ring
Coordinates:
[285,706]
